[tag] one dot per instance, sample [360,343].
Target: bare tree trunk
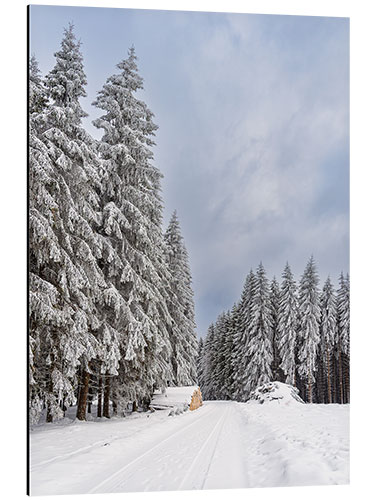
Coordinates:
[107,389]
[100,396]
[89,399]
[49,417]
[79,377]
[135,407]
[340,379]
[275,357]
[310,389]
[348,379]
[328,361]
[320,380]
[334,378]
[81,409]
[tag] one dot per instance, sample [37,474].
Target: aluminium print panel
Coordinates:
[188,250]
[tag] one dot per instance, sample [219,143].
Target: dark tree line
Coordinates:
[111,302]
[296,334]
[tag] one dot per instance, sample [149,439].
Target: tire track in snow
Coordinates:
[200,466]
[83,449]
[115,480]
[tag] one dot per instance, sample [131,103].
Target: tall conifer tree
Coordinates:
[181,307]
[73,153]
[209,362]
[132,217]
[259,346]
[44,247]
[309,326]
[229,368]
[219,384]
[70,272]
[343,337]
[241,355]
[37,92]
[275,306]
[200,362]
[287,326]
[328,329]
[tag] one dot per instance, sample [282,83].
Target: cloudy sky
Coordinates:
[253,139]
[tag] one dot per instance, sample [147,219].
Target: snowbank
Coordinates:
[301,444]
[276,392]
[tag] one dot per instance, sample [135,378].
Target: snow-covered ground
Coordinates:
[220,445]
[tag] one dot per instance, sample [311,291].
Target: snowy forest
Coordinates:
[111,307]
[111,303]
[297,335]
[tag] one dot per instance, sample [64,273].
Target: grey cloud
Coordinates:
[265,131]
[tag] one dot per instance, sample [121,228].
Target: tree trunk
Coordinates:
[49,417]
[340,379]
[100,396]
[89,399]
[310,389]
[135,407]
[107,388]
[347,378]
[328,361]
[79,377]
[81,409]
[320,381]
[275,356]
[334,378]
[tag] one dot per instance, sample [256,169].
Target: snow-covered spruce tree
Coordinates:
[181,307]
[287,326]
[132,217]
[217,376]
[328,329]
[275,305]
[44,245]
[219,383]
[235,351]
[259,344]
[215,359]
[209,362]
[203,382]
[347,356]
[73,152]
[309,309]
[343,338]
[64,206]
[200,364]
[240,353]
[228,370]
[37,91]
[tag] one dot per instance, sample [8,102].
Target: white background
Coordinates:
[13,64]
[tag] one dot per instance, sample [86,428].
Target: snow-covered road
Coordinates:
[220,445]
[191,457]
